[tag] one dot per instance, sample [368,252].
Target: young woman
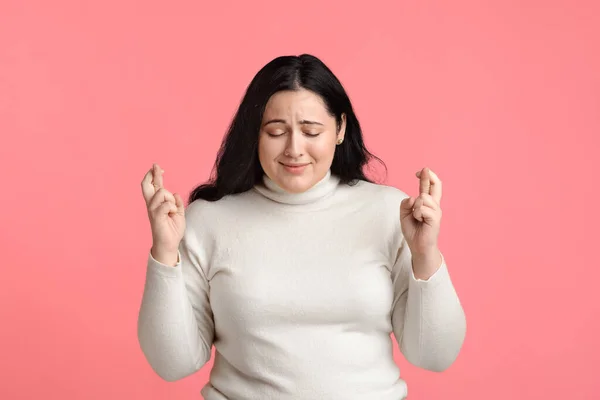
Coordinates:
[291,262]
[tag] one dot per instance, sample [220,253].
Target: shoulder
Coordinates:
[379,203]
[210,214]
[376,193]
[379,206]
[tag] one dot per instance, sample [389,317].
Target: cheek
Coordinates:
[322,150]
[268,149]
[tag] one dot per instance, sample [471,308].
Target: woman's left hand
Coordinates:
[420,220]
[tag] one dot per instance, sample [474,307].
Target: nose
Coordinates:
[294,146]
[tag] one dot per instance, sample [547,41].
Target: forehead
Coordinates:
[296,102]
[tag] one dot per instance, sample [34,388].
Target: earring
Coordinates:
[340,141]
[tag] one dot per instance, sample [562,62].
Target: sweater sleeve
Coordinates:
[427,317]
[175,321]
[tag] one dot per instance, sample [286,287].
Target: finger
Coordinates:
[428,201]
[424,181]
[435,184]
[417,213]
[424,202]
[408,203]
[415,210]
[157,176]
[167,208]
[147,188]
[161,196]
[406,206]
[436,187]
[425,214]
[179,203]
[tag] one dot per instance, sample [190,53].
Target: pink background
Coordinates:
[500,98]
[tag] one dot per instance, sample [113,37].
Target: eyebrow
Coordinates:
[282,121]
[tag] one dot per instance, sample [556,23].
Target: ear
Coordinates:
[341,132]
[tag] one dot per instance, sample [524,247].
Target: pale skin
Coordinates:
[167,216]
[420,218]
[297,131]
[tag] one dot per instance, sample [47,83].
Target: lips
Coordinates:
[294,165]
[295,168]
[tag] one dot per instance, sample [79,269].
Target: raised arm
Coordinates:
[428,319]
[175,321]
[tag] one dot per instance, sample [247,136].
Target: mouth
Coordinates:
[295,168]
[294,165]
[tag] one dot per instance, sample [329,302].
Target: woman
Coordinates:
[291,262]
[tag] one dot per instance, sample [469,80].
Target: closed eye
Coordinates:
[277,133]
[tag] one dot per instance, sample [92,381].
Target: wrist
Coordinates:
[426,264]
[166,257]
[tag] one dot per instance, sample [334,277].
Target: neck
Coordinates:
[320,190]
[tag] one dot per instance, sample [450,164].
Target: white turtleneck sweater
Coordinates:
[299,294]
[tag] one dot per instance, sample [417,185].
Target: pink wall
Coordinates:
[501,98]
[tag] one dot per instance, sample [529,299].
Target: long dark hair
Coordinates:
[237,167]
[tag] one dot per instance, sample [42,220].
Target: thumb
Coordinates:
[179,203]
[406,206]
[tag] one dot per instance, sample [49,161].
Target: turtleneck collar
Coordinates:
[320,190]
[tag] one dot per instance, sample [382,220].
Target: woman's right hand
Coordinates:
[167,217]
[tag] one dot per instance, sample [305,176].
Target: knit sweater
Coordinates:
[299,295]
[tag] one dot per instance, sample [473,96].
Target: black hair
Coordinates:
[237,167]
